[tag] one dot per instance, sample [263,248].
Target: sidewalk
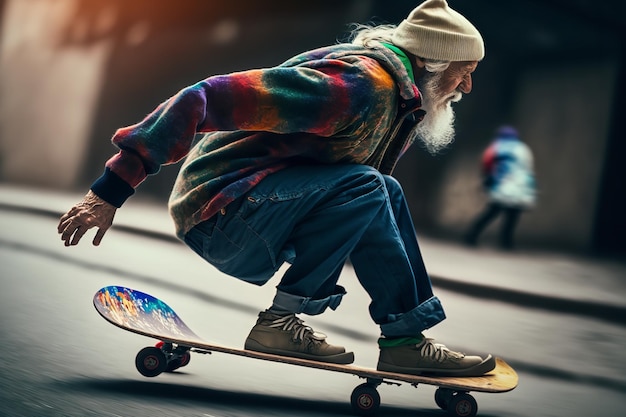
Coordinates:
[538,279]
[553,281]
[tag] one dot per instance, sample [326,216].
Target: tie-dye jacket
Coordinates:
[338,104]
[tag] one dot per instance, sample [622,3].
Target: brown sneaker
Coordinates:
[429,358]
[288,336]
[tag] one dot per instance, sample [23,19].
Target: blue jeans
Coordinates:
[316,218]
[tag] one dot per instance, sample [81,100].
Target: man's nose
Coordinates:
[466,85]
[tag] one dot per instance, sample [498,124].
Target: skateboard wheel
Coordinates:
[179,362]
[185,359]
[462,405]
[443,397]
[365,400]
[150,361]
[173,365]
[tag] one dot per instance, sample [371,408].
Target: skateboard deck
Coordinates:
[146,315]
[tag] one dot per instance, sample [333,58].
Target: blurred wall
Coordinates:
[568,130]
[48,93]
[568,137]
[73,71]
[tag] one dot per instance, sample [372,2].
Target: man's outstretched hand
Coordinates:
[91,212]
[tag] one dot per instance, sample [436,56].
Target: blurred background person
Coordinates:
[509,182]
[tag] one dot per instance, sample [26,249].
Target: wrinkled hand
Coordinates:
[91,212]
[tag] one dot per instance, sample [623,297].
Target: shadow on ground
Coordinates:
[245,403]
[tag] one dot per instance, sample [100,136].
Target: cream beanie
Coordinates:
[435,31]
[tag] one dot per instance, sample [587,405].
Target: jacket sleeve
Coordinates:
[326,98]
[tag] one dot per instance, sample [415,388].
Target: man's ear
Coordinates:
[419,62]
[419,67]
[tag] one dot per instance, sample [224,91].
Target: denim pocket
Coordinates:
[210,242]
[220,248]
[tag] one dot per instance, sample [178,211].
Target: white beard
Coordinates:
[436,130]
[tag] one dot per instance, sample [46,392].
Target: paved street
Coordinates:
[61,359]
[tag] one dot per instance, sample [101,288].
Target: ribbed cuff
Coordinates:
[112,189]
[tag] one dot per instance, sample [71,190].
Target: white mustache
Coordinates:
[455,97]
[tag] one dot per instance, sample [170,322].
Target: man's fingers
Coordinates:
[80,232]
[99,235]
[63,224]
[68,231]
[66,217]
[74,230]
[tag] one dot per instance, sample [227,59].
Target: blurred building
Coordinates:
[72,71]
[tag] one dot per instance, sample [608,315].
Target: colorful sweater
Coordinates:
[339,104]
[507,167]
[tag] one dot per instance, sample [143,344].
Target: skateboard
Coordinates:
[146,315]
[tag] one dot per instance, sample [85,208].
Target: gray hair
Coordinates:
[373,36]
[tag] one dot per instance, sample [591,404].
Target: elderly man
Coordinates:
[294,166]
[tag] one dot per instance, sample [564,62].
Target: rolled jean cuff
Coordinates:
[412,323]
[297,304]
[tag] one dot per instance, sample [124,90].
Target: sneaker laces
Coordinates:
[291,323]
[438,352]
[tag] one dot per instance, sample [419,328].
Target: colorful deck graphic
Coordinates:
[140,312]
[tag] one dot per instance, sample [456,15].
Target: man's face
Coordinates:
[439,90]
[457,77]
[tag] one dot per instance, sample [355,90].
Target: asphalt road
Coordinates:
[59,358]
